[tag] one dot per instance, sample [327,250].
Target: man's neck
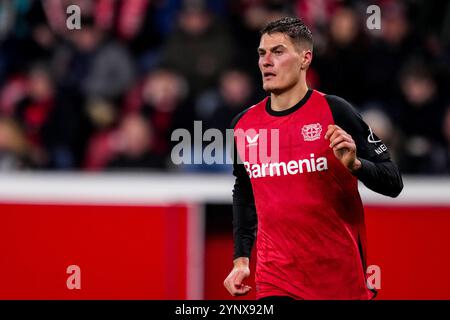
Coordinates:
[287,99]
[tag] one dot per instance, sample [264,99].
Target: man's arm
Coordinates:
[244,225]
[244,213]
[244,232]
[373,165]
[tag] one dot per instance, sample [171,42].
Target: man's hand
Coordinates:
[344,147]
[240,271]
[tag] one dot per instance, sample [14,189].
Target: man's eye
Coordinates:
[278,52]
[261,54]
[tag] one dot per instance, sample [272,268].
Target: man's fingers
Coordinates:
[236,290]
[344,145]
[339,139]
[242,291]
[229,283]
[233,283]
[239,288]
[330,130]
[230,288]
[334,131]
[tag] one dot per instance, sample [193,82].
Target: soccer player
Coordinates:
[305,207]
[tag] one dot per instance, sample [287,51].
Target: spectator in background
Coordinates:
[17,46]
[316,14]
[162,99]
[159,99]
[217,108]
[13,91]
[101,143]
[134,23]
[13,147]
[391,47]
[420,114]
[89,68]
[135,140]
[200,48]
[341,64]
[34,112]
[95,61]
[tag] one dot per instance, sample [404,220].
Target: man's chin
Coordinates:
[269,88]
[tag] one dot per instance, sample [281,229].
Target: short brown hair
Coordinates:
[293,27]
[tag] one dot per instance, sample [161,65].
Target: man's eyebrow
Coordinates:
[280,46]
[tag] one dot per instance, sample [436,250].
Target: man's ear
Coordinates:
[306,59]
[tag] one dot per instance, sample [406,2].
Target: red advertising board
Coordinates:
[409,244]
[122,252]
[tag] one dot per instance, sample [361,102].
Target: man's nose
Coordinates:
[267,60]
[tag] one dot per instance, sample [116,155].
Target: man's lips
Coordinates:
[268,74]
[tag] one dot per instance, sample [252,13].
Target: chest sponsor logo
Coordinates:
[311,132]
[293,167]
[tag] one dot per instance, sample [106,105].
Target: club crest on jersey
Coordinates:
[311,132]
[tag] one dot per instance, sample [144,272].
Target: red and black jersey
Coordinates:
[304,206]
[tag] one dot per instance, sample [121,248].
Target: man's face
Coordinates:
[280,62]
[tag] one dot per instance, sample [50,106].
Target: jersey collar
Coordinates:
[290,110]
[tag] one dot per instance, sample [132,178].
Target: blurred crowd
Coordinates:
[108,96]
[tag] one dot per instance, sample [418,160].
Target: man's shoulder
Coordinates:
[336,101]
[241,114]
[344,113]
[340,107]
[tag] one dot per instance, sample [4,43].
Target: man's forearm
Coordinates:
[244,229]
[382,177]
